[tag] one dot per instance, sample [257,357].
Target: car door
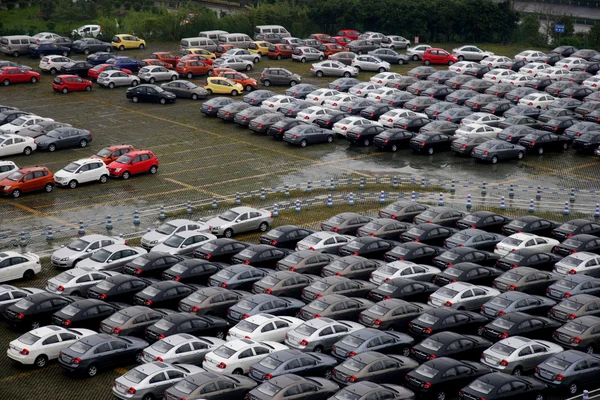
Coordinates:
[103,355]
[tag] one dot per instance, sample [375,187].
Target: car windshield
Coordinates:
[311,240]
[228,215]
[472,219]
[166,229]
[161,346]
[568,227]
[185,387]
[24,304]
[336,220]
[481,387]
[305,329]
[174,241]
[318,305]
[415,231]
[353,365]
[104,152]
[557,363]
[448,255]
[570,261]
[28,338]
[226,274]
[246,326]
[572,242]
[247,253]
[209,246]
[71,167]
[80,347]
[461,237]
[164,325]
[400,250]
[345,394]
[353,341]
[502,349]
[140,261]
[54,134]
[428,318]
[503,323]
[246,305]
[70,310]
[64,277]
[15,176]
[268,388]
[101,255]
[431,344]
[514,257]
[510,276]
[388,269]
[19,121]
[378,309]
[119,318]
[355,245]
[105,285]
[565,284]
[276,233]
[224,351]
[453,272]
[78,244]
[500,302]
[319,285]
[135,376]
[570,305]
[512,241]
[151,291]
[124,159]
[270,363]
[197,297]
[575,327]
[427,371]
[446,292]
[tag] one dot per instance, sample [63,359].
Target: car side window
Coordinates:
[526,351]
[378,366]
[103,348]
[51,340]
[209,388]
[326,332]
[184,349]
[158,377]
[246,353]
[67,336]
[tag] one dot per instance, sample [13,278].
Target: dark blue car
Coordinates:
[292,361]
[100,57]
[45,49]
[125,62]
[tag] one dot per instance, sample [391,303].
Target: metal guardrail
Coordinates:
[587,395]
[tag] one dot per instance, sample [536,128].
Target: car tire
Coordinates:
[263,226]
[303,143]
[174,77]
[520,155]
[52,148]
[359,52]
[415,57]
[75,294]
[319,349]
[103,178]
[121,47]
[208,92]
[565,146]
[35,325]
[394,148]
[149,396]
[328,373]
[540,151]
[589,349]
[400,62]
[358,68]
[189,75]
[366,142]
[517,371]
[28,275]
[539,396]
[83,143]
[495,160]
[41,361]
[321,58]
[108,49]
[126,175]
[88,88]
[248,67]
[111,85]
[33,79]
[248,88]
[15,54]
[329,138]
[16,194]
[163,101]
[228,233]
[256,60]
[460,58]
[153,170]
[279,56]
[92,371]
[347,74]
[86,51]
[6,82]
[267,83]
[293,83]
[194,96]
[152,80]
[405,351]
[237,371]
[303,60]
[135,82]
[430,151]
[220,334]
[319,74]
[135,99]
[142,47]
[426,62]
[73,184]
[65,90]
[139,357]
[52,71]
[574,388]
[440,396]
[234,93]
[48,188]
[27,151]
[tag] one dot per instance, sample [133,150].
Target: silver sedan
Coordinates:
[333,68]
[471,53]
[183,243]
[240,219]
[235,63]
[181,348]
[185,89]
[111,79]
[243,54]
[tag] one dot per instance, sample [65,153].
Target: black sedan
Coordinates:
[91,353]
[530,224]
[327,121]
[420,253]
[300,91]
[405,289]
[517,94]
[35,310]
[450,344]
[467,272]
[478,86]
[279,283]
[46,49]
[338,285]
[402,83]
[421,72]
[481,100]
[528,258]
[151,264]
[526,280]
[478,72]
[541,142]
[495,385]
[578,93]
[370,339]
[442,76]
[343,84]
[433,110]
[497,107]
[445,127]
[184,322]
[260,256]
[221,249]
[520,324]
[99,57]
[363,135]
[419,104]
[427,233]
[540,83]
[411,123]
[79,68]
[285,236]
[373,367]
[460,96]
[587,142]
[454,115]
[514,133]
[193,270]
[486,220]
[357,106]
[165,294]
[353,267]
[384,228]
[444,377]
[456,82]
[91,45]
[524,111]
[375,111]
[565,102]
[393,139]
[496,150]
[398,99]
[292,361]
[262,123]
[291,110]
[278,129]
[367,246]
[430,143]
[499,89]
[403,210]
[446,319]
[150,93]
[211,107]
[577,243]
[437,92]
[118,288]
[465,254]
[575,227]
[86,313]
[256,97]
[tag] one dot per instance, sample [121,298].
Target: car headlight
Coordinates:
[6,187]
[64,259]
[216,228]
[154,242]
[118,169]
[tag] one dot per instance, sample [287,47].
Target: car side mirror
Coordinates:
[88,250]
[183,246]
[62,245]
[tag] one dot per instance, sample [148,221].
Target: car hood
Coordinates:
[44,139]
[217,222]
[154,235]
[64,252]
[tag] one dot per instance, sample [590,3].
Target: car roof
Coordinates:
[583,255]
[369,356]
[513,295]
[517,341]
[260,298]
[587,320]
[460,286]
[367,333]
[571,355]
[582,298]
[286,380]
[151,368]
[283,355]
[47,330]
[134,310]
[244,209]
[179,338]
[98,338]
[116,247]
[239,344]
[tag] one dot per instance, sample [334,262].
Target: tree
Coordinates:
[594,36]
[529,30]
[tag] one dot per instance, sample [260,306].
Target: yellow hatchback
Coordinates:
[122,42]
[220,85]
[200,51]
[259,47]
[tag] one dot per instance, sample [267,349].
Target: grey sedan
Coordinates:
[496,150]
[362,46]
[235,63]
[181,348]
[240,219]
[475,238]
[185,89]
[390,56]
[243,54]
[333,68]
[302,135]
[90,45]
[61,138]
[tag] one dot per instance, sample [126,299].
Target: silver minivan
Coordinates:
[240,40]
[260,30]
[16,45]
[197,42]
[212,35]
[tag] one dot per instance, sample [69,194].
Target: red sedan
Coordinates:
[10,75]
[133,163]
[98,69]
[71,83]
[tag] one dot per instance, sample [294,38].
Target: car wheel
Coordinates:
[27,151]
[121,47]
[441,396]
[29,274]
[293,83]
[49,187]
[574,388]
[163,101]
[33,79]
[405,351]
[153,169]
[148,396]
[450,62]
[426,62]
[394,148]
[86,51]
[415,57]
[461,58]
[111,85]
[366,142]
[6,82]
[103,179]
[238,371]
[328,373]
[248,88]
[220,334]
[208,92]
[565,146]
[406,47]
[319,349]
[263,226]
[126,175]
[267,83]
[135,82]
[152,80]
[83,143]
[380,70]
[346,74]
[139,357]
[358,68]
[248,67]
[75,294]
[16,193]
[228,233]
[73,184]
[88,88]
[589,349]
[65,90]
[92,371]
[430,151]
[256,60]
[480,331]
[194,96]
[35,325]
[108,49]
[234,93]
[400,61]
[540,151]
[329,138]
[52,71]
[495,160]
[517,371]
[52,148]
[321,58]
[319,74]
[142,47]
[359,52]
[279,56]
[135,99]
[539,397]
[303,143]
[15,54]
[520,155]
[303,60]
[174,77]
[41,361]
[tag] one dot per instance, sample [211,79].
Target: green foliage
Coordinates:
[594,36]
[529,31]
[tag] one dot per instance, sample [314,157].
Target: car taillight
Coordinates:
[351,354]
[161,336]
[572,272]
[559,377]
[304,342]
[576,340]
[352,379]
[24,352]
[500,313]
[67,322]
[503,335]
[426,385]
[222,365]
[504,363]
[464,146]
[102,296]
[131,390]
[76,361]
[567,295]
[431,357]
[512,287]
[138,271]
[116,331]
[148,302]
[60,288]
[245,316]
[448,304]
[158,359]
[223,284]
[267,376]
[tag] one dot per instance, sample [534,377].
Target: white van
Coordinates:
[16,45]
[212,35]
[260,30]
[240,40]
[197,42]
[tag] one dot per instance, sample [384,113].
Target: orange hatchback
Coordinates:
[197,57]
[27,179]
[155,61]
[280,51]
[166,57]
[332,48]
[111,153]
[192,68]
[223,48]
[248,83]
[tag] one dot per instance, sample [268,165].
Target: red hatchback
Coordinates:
[133,163]
[438,56]
[349,33]
[71,83]
[10,75]
[98,69]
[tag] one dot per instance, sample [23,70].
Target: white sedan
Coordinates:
[362,89]
[14,265]
[324,242]
[391,117]
[477,130]
[534,68]
[367,62]
[23,122]
[462,66]
[76,281]
[237,356]
[518,80]
[496,61]
[82,171]
[7,168]
[181,348]
[416,52]
[498,75]
[481,118]
[537,100]
[111,258]
[555,72]
[40,345]
[462,295]
[403,269]
[384,77]
[335,102]
[319,96]
[344,125]
[524,240]
[155,73]
[263,327]
[333,68]
[593,82]
[274,103]
[570,63]
[311,114]
[583,263]
[11,144]
[378,94]
[111,79]
[529,55]
[183,243]
[53,64]
[518,355]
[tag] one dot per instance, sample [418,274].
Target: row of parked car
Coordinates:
[419,301]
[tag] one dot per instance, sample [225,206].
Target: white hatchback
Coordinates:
[7,168]
[524,240]
[14,265]
[263,327]
[237,356]
[82,171]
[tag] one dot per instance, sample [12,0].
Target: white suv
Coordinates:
[82,171]
[88,31]
[53,64]
[7,168]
